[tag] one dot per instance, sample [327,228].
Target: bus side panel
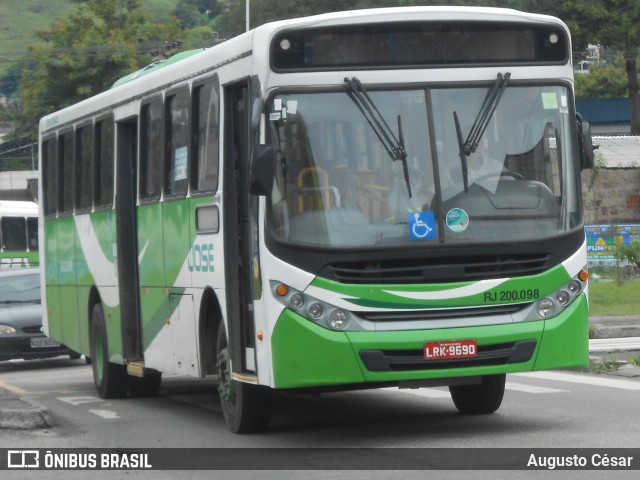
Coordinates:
[84,280]
[68,282]
[150,246]
[177,242]
[50,270]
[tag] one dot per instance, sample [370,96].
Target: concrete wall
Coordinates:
[611,195]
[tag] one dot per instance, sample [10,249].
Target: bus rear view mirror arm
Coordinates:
[262,169]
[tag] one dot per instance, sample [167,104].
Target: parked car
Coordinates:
[21,334]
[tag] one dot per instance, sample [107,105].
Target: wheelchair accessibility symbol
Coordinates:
[422,225]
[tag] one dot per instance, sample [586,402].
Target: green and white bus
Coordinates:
[18,233]
[372,198]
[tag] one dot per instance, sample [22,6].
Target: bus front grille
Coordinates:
[439,269]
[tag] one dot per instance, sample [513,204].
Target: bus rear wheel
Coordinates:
[479,399]
[110,378]
[246,407]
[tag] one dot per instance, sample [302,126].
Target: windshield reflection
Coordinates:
[336,184]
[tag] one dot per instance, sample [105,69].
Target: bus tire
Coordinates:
[110,378]
[147,386]
[246,407]
[480,399]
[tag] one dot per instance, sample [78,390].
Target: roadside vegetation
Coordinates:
[611,298]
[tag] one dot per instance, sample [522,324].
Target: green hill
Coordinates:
[20,19]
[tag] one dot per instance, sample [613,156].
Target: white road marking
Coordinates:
[521,387]
[107,414]
[583,379]
[75,401]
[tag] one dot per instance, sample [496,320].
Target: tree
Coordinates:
[84,53]
[603,81]
[616,25]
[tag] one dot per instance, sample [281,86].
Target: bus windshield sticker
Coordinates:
[457,220]
[549,100]
[422,225]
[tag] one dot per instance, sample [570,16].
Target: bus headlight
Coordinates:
[338,319]
[557,301]
[319,312]
[546,308]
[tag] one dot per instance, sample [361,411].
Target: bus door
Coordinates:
[127,242]
[239,224]
[176,232]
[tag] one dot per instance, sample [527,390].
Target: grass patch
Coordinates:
[607,366]
[614,299]
[635,361]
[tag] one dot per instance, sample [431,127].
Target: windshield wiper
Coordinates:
[392,144]
[480,124]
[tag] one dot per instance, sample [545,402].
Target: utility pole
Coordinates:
[247,3]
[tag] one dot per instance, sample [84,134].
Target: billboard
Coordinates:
[603,240]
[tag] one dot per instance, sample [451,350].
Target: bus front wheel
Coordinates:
[479,399]
[110,378]
[246,407]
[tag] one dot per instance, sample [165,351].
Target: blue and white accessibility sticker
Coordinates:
[422,225]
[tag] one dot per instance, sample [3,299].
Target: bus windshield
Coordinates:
[338,186]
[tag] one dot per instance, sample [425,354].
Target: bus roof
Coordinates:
[14,208]
[189,64]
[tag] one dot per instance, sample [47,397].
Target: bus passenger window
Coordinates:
[206,103]
[14,235]
[104,168]
[151,151]
[84,167]
[49,177]
[32,234]
[176,181]
[66,191]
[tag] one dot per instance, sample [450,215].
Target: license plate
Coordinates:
[43,342]
[450,350]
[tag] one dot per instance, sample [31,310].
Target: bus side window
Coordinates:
[65,156]
[14,234]
[177,174]
[103,183]
[32,233]
[50,177]
[151,151]
[205,150]
[84,167]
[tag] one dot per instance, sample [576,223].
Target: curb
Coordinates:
[22,414]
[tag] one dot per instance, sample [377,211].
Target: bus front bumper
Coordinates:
[307,355]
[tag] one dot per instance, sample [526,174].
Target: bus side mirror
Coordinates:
[262,169]
[585,144]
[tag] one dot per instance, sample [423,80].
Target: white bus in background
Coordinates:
[18,233]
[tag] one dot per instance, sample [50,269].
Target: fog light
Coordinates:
[296,301]
[575,287]
[546,307]
[7,330]
[315,310]
[338,319]
[563,298]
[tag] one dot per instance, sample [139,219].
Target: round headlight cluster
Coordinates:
[563,297]
[319,312]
